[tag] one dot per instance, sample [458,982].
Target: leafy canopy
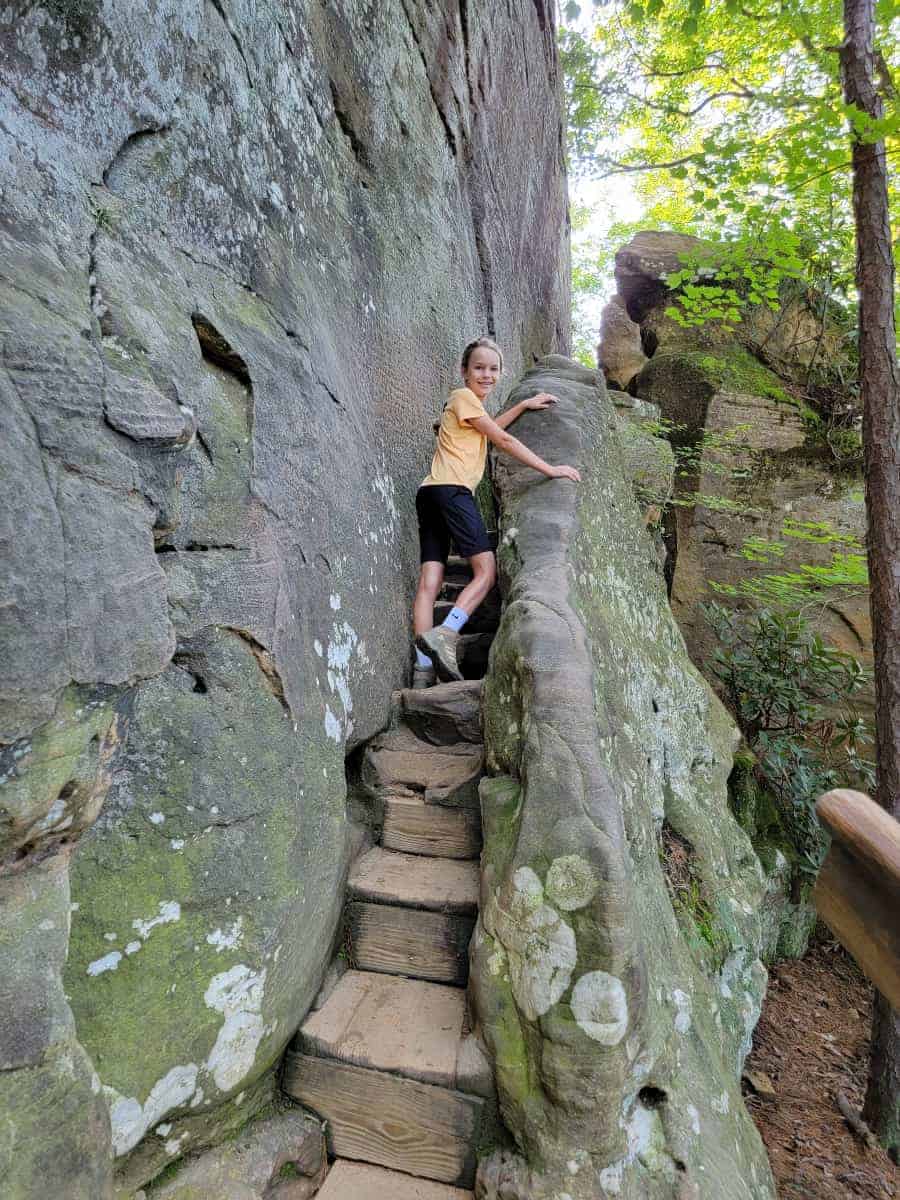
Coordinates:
[730,116]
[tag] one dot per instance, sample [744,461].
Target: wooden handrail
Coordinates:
[857,893]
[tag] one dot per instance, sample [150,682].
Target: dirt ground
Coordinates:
[812,1042]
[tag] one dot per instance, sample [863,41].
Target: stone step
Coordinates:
[414,827]
[443,715]
[410,942]
[414,881]
[398,761]
[381,1062]
[361,1181]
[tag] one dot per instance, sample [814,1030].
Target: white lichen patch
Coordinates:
[133,947]
[332,725]
[157,818]
[571,882]
[109,962]
[335,601]
[169,911]
[238,995]
[682,1003]
[539,944]
[227,939]
[600,1007]
[720,1104]
[130,1119]
[694,1116]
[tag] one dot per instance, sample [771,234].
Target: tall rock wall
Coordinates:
[616,961]
[242,245]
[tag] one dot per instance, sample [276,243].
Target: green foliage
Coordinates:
[690,898]
[731,122]
[809,586]
[792,697]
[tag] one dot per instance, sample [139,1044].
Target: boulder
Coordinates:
[620,354]
[617,1013]
[791,338]
[279,1157]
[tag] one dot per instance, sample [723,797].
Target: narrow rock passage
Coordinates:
[388,1060]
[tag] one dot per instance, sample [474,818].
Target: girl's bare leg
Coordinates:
[431,577]
[484,572]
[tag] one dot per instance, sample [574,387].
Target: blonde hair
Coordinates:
[484,344]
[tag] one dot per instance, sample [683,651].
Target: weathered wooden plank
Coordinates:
[361,1181]
[409,941]
[399,1123]
[864,829]
[442,885]
[414,827]
[390,1023]
[863,914]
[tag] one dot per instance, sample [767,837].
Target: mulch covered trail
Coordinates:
[812,1042]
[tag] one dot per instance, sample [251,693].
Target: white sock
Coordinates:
[422,660]
[455,619]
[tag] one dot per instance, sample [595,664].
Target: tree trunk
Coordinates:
[880,394]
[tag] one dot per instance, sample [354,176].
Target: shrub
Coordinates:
[792,697]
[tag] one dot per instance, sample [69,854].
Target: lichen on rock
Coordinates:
[599,730]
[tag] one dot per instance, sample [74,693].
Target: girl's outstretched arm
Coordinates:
[541,400]
[508,444]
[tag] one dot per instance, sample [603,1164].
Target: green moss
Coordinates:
[734,369]
[501,799]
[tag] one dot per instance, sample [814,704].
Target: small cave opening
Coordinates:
[216,349]
[652,1097]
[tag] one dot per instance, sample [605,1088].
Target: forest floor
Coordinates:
[811,1043]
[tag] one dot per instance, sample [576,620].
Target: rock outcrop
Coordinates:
[758,490]
[242,246]
[616,961]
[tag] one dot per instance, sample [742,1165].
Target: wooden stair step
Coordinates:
[389,1023]
[361,1181]
[398,760]
[446,714]
[415,881]
[381,1118]
[414,827]
[381,1062]
[408,941]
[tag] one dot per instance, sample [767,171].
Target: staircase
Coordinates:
[388,1060]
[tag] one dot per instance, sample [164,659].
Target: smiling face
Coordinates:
[482,371]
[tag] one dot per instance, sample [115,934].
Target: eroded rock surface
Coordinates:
[242,246]
[618,1016]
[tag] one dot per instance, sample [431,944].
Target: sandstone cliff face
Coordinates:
[616,965]
[242,246]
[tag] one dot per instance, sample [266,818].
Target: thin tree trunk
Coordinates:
[880,392]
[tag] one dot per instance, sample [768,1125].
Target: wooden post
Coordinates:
[857,893]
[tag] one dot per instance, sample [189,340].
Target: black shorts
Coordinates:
[447,511]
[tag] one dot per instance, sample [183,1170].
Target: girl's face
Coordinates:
[482,371]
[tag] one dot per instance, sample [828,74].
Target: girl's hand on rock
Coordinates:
[541,400]
[566,473]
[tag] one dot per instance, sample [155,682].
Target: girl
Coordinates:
[446,508]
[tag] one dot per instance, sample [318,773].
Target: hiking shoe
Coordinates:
[423,677]
[440,643]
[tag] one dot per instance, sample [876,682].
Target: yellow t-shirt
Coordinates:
[461,450]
